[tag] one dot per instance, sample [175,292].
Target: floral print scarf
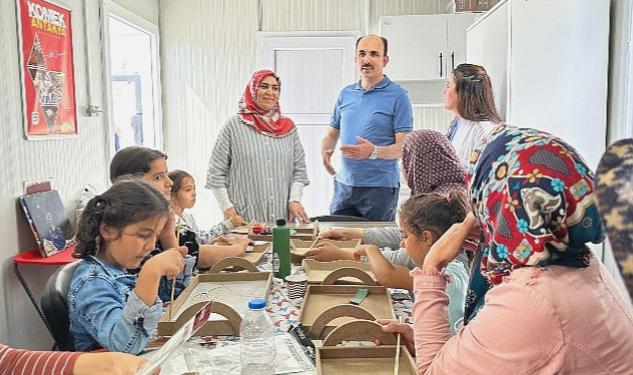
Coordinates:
[271,123]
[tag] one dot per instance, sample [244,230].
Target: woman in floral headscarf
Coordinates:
[552,308]
[257,168]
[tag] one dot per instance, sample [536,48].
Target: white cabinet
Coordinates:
[425,47]
[548,61]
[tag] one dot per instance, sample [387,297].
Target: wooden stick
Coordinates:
[396,367]
[173,283]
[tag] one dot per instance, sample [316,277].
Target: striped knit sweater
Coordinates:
[28,362]
[256,171]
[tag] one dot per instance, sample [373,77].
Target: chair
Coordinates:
[337,218]
[55,306]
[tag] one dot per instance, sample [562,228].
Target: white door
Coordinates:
[313,67]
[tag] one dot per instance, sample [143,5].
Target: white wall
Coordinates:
[70,162]
[207,60]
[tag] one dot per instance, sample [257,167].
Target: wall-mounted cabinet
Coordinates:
[425,47]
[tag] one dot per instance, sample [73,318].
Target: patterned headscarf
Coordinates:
[614,192]
[533,196]
[271,122]
[431,164]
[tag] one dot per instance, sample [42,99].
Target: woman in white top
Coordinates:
[469,95]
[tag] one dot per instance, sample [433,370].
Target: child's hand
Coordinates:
[341,234]
[169,263]
[234,240]
[327,251]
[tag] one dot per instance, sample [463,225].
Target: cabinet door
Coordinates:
[487,45]
[456,38]
[415,46]
[558,75]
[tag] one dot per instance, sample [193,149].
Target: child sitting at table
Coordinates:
[109,307]
[423,219]
[183,198]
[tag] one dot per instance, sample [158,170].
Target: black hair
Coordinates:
[133,160]
[385,43]
[431,211]
[126,202]
[177,176]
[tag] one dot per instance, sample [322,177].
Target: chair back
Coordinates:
[55,306]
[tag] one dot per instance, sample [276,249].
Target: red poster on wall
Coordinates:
[47,69]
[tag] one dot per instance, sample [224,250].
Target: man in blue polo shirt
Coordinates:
[372,117]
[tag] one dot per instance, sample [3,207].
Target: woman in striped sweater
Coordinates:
[257,168]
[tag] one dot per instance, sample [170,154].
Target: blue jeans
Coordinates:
[372,203]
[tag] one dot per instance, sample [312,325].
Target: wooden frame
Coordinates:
[317,272]
[327,306]
[352,360]
[174,316]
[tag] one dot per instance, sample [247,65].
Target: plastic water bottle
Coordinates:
[257,338]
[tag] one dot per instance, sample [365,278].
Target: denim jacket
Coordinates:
[104,311]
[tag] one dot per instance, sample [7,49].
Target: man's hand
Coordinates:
[296,211]
[326,155]
[362,150]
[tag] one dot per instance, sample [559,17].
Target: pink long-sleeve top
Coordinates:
[552,320]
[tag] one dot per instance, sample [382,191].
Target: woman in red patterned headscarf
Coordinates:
[259,106]
[257,167]
[552,307]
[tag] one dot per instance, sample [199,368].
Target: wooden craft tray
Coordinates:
[302,234]
[299,247]
[257,254]
[228,309]
[357,360]
[320,300]
[317,271]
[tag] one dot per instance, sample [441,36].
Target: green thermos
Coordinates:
[281,249]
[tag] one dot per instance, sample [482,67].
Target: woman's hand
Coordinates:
[237,221]
[342,234]
[108,364]
[327,251]
[404,329]
[229,213]
[446,248]
[296,211]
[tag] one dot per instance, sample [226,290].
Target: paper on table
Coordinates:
[180,337]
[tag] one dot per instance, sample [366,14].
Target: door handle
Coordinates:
[453,60]
[441,65]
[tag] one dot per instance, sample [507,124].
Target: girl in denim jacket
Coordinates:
[108,306]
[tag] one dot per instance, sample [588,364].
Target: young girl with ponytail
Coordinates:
[108,306]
